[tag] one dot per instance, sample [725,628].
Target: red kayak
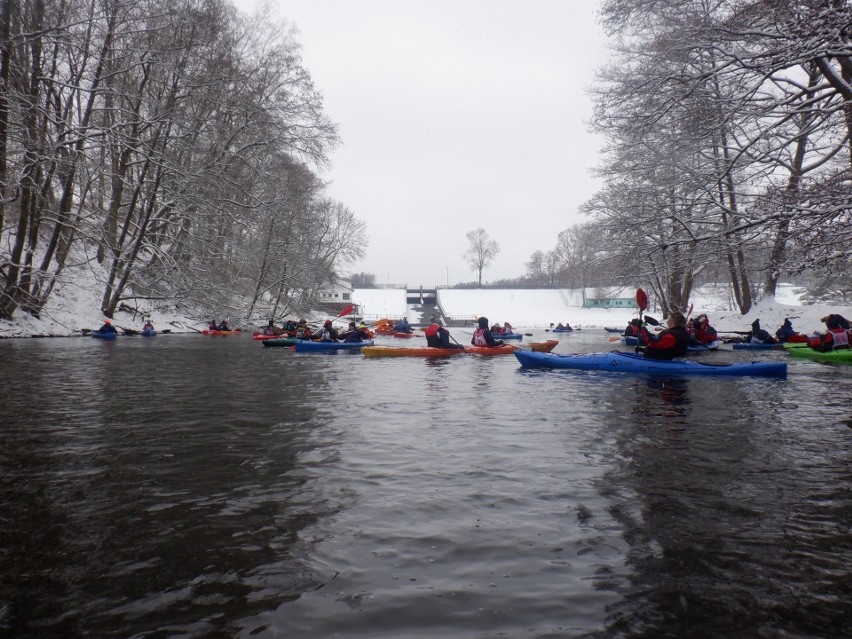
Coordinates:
[403,335]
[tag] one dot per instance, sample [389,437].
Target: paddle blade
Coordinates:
[641,299]
[651,320]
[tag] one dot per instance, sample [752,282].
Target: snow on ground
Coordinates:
[381,302]
[76,305]
[530,307]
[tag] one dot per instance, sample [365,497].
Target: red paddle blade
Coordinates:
[641,299]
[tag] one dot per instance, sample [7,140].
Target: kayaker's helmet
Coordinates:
[756,324]
[352,324]
[832,321]
[106,321]
[678,318]
[483,322]
[327,322]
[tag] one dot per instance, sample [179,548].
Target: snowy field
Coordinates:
[536,308]
[76,305]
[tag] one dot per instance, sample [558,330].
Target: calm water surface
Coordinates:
[188,486]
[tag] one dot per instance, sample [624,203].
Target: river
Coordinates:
[189,486]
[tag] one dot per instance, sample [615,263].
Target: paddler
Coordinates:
[483,336]
[439,337]
[670,343]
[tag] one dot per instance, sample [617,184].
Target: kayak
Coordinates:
[261,336]
[314,347]
[402,335]
[803,350]
[571,330]
[280,341]
[209,332]
[611,330]
[757,346]
[103,336]
[618,362]
[509,336]
[698,348]
[149,332]
[427,351]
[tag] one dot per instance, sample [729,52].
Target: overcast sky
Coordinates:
[454,115]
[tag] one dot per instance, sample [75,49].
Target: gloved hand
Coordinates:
[640,349]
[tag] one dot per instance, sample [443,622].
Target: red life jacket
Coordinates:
[431,330]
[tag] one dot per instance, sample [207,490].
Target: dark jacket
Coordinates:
[672,342]
[785,331]
[355,335]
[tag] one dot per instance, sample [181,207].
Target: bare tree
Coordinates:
[481,252]
[719,124]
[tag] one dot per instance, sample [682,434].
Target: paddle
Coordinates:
[641,301]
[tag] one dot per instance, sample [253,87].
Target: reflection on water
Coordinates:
[188,486]
[708,510]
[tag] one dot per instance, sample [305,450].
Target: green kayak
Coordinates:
[803,350]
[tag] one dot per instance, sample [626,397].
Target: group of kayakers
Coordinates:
[221,326]
[496,329]
[325,333]
[562,327]
[679,333]
[837,336]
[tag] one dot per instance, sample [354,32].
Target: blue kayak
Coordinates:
[618,362]
[313,347]
[564,330]
[104,336]
[609,329]
[149,332]
[757,346]
[509,336]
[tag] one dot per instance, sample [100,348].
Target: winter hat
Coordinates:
[832,321]
[483,322]
[756,324]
